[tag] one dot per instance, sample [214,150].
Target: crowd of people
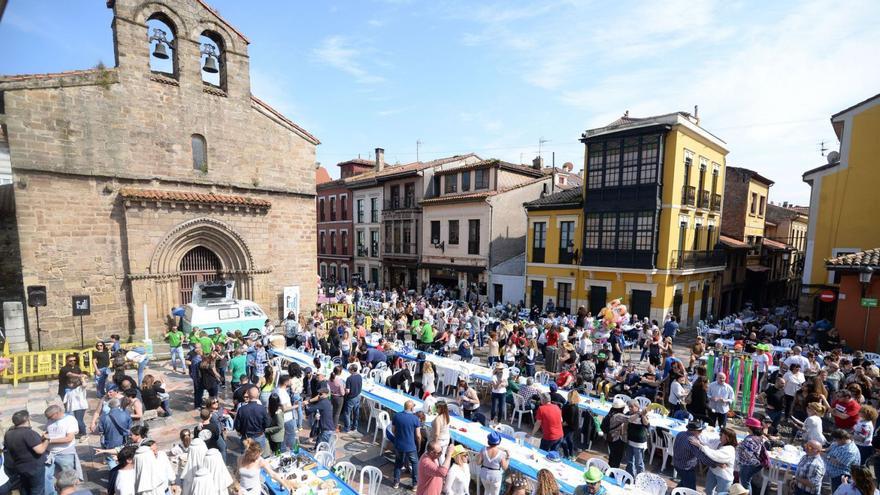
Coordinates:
[818,394]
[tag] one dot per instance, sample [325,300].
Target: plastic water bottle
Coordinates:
[602,398]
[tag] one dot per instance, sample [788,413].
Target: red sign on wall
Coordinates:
[827,296]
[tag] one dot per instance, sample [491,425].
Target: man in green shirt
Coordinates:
[175,339]
[427,334]
[237,367]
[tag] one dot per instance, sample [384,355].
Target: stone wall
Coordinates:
[77,138]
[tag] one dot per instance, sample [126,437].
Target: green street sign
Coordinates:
[868,302]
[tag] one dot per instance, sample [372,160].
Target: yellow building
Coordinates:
[647,225]
[843,203]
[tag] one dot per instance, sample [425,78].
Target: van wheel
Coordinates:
[253,334]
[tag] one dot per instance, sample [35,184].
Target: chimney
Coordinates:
[380,159]
[785,204]
[538,163]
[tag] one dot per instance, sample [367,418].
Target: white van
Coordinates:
[214,306]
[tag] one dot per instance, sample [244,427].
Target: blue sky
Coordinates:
[495,77]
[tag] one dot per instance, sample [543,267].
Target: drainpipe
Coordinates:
[489,254]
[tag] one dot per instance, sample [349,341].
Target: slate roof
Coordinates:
[869,258]
[192,197]
[567,198]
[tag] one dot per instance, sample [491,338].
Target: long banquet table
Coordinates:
[523,458]
[787,458]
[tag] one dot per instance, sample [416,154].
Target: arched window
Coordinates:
[212,59]
[200,153]
[162,45]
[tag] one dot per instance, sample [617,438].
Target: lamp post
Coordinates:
[865,274]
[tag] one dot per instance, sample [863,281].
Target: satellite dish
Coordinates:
[568,166]
[833,157]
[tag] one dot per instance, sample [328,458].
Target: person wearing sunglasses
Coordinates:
[101,367]
[592,483]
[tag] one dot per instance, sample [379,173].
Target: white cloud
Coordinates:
[341,53]
[766,77]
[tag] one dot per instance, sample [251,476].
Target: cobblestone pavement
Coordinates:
[358,448]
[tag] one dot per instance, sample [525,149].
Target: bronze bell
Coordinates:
[211,65]
[160,51]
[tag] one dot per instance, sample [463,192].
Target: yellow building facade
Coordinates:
[843,203]
[646,222]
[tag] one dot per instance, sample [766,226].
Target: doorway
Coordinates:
[676,303]
[200,264]
[640,303]
[498,293]
[692,300]
[704,307]
[537,294]
[598,299]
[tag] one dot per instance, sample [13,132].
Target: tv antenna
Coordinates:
[822,148]
[541,142]
[418,144]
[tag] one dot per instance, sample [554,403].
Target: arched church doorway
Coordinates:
[199,264]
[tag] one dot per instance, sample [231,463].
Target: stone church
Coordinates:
[132,182]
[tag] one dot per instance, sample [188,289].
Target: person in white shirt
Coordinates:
[62,430]
[499,391]
[797,358]
[458,478]
[678,392]
[720,398]
[812,426]
[793,381]
[722,451]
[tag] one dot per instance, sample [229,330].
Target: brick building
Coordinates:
[132,182]
[335,228]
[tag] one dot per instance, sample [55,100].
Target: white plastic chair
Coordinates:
[783,343]
[347,471]
[620,477]
[325,458]
[684,491]
[775,475]
[476,360]
[505,430]
[872,356]
[454,409]
[534,442]
[520,437]
[323,447]
[520,409]
[378,376]
[651,484]
[601,464]
[474,463]
[643,402]
[542,377]
[375,409]
[625,398]
[383,425]
[374,480]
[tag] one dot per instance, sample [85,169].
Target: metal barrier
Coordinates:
[46,364]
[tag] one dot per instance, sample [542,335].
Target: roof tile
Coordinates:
[869,258]
[192,197]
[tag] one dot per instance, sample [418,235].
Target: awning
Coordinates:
[757,268]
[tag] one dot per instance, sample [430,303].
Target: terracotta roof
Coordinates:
[775,244]
[491,162]
[50,75]
[731,242]
[567,198]
[192,197]
[322,175]
[455,198]
[392,170]
[869,258]
[461,197]
[281,116]
[358,161]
